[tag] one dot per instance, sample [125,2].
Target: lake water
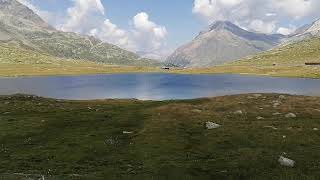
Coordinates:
[154,86]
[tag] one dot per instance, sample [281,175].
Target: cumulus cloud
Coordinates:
[286,30]
[83,16]
[260,15]
[144,36]
[111,33]
[261,26]
[147,34]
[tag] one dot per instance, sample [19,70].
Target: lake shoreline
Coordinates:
[159,71]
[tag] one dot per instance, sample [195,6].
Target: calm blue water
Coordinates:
[154,86]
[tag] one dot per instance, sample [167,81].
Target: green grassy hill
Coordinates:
[15,61]
[296,54]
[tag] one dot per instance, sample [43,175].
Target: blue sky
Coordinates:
[157,27]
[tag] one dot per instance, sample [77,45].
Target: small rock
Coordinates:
[239,112]
[290,115]
[284,137]
[257,95]
[282,97]
[260,118]
[272,127]
[315,129]
[286,162]
[276,104]
[7,102]
[196,110]
[276,114]
[127,132]
[211,125]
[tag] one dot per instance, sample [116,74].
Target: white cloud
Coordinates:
[262,15]
[83,16]
[261,26]
[110,32]
[143,36]
[285,30]
[148,35]
[295,8]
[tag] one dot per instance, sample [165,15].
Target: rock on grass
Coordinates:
[286,162]
[290,115]
[211,125]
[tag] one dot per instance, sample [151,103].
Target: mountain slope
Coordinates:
[22,27]
[295,54]
[305,32]
[223,42]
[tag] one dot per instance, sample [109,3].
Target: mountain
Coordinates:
[305,32]
[223,42]
[21,27]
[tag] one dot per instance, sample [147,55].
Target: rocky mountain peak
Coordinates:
[315,27]
[16,10]
[227,25]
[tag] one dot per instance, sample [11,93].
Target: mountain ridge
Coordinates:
[222,42]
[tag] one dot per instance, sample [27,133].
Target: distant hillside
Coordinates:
[223,42]
[305,32]
[21,27]
[294,54]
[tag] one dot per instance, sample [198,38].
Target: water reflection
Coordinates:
[155,86]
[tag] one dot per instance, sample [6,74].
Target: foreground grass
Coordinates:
[130,139]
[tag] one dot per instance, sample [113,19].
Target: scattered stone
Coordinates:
[315,129]
[257,95]
[127,132]
[211,125]
[6,103]
[286,162]
[282,97]
[239,112]
[260,118]
[276,114]
[276,104]
[6,113]
[272,127]
[284,137]
[290,115]
[196,110]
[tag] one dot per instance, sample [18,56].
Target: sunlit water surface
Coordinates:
[154,86]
